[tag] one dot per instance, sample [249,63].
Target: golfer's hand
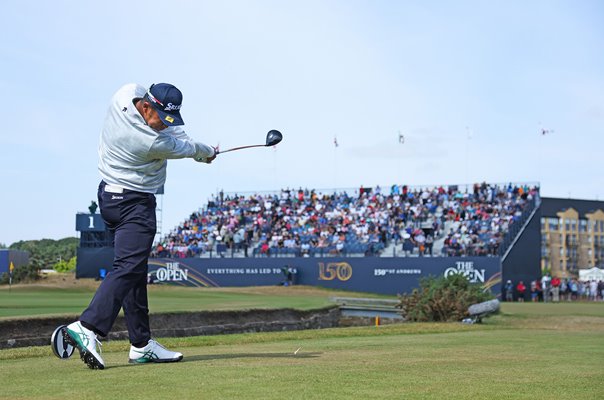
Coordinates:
[208,160]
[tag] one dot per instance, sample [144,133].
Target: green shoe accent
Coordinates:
[80,338]
[141,360]
[147,356]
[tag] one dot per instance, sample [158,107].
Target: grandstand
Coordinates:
[452,220]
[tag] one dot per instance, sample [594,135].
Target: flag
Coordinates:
[544,131]
[10,275]
[335,141]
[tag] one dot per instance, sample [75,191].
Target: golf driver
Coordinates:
[272,138]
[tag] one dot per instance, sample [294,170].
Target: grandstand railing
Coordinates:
[517,227]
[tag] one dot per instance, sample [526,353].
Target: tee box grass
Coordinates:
[528,351]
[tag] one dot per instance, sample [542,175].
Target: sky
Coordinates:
[469,84]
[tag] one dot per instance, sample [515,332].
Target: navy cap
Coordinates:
[166,99]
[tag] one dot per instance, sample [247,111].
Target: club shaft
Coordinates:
[241,147]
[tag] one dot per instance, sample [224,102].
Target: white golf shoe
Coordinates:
[86,342]
[152,352]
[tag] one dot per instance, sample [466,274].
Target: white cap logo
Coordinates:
[172,107]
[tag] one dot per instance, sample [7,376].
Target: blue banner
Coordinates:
[371,275]
[385,275]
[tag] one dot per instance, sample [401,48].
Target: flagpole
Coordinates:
[468,137]
[10,276]
[401,141]
[541,149]
[335,162]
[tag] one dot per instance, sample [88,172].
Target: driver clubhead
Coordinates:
[273,137]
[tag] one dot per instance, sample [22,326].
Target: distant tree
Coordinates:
[43,254]
[47,252]
[3,246]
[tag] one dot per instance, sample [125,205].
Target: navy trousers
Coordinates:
[131,217]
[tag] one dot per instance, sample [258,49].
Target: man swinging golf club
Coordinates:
[141,132]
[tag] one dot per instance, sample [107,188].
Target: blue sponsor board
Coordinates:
[363,274]
[373,275]
[16,257]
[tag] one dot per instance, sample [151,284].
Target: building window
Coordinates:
[553,224]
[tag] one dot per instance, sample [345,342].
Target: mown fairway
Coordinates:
[530,351]
[71,298]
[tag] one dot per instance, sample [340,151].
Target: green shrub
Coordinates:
[65,266]
[22,273]
[441,299]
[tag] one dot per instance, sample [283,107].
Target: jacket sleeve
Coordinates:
[174,143]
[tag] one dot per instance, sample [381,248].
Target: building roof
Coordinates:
[550,206]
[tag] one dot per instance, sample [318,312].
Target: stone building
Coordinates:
[572,235]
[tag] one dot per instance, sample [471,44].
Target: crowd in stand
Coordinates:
[482,218]
[554,289]
[304,223]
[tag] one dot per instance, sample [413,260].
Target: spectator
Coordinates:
[564,290]
[520,290]
[509,291]
[545,287]
[420,240]
[593,290]
[556,289]
[535,289]
[574,289]
[429,244]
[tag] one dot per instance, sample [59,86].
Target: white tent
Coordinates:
[591,274]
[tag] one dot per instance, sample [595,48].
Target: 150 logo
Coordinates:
[335,270]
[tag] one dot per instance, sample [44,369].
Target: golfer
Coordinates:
[141,132]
